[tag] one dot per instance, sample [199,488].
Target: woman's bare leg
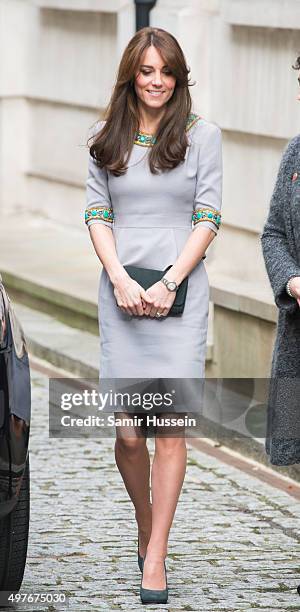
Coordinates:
[167,476]
[133,461]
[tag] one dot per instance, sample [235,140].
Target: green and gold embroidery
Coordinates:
[192,118]
[148,140]
[207,214]
[97,213]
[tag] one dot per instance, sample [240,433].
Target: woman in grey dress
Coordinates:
[153,200]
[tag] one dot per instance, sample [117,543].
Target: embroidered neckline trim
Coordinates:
[148,140]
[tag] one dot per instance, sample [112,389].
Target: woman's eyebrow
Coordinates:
[146,66]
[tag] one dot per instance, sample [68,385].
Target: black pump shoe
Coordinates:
[157,596]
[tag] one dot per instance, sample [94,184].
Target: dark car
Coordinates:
[15,408]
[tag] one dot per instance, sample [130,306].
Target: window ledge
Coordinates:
[249,298]
[95,6]
[262,13]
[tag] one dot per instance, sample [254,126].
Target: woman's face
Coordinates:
[154,83]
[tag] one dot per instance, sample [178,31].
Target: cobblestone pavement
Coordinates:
[234,544]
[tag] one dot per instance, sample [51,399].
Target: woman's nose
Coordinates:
[157,79]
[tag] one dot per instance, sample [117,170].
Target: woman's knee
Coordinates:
[130,446]
[169,446]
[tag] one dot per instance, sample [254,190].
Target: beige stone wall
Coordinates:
[57,69]
[57,64]
[242,345]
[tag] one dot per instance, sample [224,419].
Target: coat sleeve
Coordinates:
[280,264]
[99,207]
[208,194]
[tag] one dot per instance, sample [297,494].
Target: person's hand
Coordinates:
[161,299]
[295,288]
[130,296]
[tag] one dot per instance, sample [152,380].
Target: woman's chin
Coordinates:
[155,104]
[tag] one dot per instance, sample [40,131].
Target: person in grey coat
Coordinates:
[281,250]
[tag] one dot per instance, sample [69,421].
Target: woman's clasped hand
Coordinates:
[295,288]
[135,300]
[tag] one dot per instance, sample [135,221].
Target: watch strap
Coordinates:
[166,281]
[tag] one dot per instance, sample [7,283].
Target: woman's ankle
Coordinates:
[156,553]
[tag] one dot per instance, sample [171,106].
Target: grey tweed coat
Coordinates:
[281,250]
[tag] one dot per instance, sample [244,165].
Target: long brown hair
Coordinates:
[116,138]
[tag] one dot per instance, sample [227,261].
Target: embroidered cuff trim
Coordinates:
[99,213]
[207,214]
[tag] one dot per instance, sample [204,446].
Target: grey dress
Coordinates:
[151,219]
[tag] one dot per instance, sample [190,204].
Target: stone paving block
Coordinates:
[234,544]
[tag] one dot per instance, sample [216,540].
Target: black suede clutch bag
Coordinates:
[147,277]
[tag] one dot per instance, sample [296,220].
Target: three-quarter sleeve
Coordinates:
[98,201]
[208,194]
[279,261]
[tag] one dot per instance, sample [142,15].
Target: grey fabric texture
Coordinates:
[152,222]
[281,250]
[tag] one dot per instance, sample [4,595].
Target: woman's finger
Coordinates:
[146,296]
[153,311]
[140,309]
[132,310]
[147,302]
[147,309]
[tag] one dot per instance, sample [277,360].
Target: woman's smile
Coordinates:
[154,93]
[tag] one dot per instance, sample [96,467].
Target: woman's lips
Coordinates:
[155,94]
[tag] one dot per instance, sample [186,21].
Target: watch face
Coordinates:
[171,285]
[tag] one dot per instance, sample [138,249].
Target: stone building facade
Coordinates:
[58,62]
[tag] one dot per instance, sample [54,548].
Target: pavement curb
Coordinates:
[74,367]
